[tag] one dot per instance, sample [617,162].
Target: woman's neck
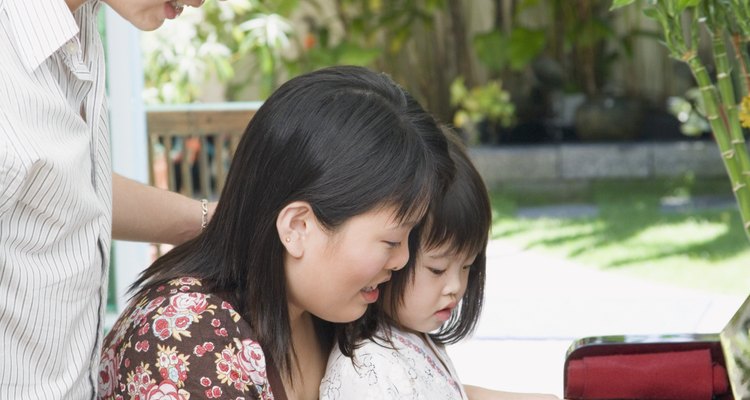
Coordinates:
[308,362]
[296,316]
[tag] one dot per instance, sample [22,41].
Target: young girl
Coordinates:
[435,300]
[326,184]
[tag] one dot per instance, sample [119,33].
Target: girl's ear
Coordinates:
[293,225]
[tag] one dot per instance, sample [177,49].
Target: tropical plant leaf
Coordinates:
[620,3]
[651,13]
[492,49]
[525,46]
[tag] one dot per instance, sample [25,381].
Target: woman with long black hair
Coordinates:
[330,177]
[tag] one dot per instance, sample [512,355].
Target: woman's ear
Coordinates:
[293,225]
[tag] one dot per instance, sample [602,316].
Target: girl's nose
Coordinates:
[453,282]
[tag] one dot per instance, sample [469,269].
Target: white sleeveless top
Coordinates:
[413,368]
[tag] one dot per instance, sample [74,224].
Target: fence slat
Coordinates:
[178,124]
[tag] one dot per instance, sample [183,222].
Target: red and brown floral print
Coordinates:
[178,342]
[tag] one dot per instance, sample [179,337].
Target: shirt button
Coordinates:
[71,47]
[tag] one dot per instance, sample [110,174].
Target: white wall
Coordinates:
[128,135]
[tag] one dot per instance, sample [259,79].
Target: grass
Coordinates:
[632,234]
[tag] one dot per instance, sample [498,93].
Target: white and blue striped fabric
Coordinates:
[55,199]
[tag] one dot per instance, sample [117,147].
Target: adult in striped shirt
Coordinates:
[57,193]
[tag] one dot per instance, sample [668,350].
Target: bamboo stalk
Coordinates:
[743,61]
[739,155]
[717,120]
[737,16]
[720,104]
[724,82]
[719,99]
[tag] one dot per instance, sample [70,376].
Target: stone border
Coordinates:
[588,161]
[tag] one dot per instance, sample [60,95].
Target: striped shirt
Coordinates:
[55,199]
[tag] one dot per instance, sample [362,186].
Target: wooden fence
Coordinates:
[191,146]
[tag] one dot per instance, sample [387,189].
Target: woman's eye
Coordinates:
[392,245]
[436,271]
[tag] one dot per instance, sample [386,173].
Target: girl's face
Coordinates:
[440,280]
[339,273]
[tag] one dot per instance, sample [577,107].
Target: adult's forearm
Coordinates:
[480,393]
[144,213]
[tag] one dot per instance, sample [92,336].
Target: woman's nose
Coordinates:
[399,259]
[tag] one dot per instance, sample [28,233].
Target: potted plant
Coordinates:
[510,51]
[481,110]
[590,46]
[555,58]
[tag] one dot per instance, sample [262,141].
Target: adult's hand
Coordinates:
[143,213]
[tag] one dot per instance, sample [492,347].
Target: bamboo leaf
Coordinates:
[620,3]
[651,13]
[682,5]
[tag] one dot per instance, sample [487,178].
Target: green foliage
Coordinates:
[621,3]
[373,29]
[690,111]
[487,102]
[579,39]
[675,7]
[318,50]
[259,37]
[210,40]
[517,50]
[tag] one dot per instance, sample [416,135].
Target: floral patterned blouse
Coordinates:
[179,342]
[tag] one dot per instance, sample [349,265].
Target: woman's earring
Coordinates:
[287,239]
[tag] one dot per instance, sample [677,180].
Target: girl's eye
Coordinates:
[392,245]
[436,271]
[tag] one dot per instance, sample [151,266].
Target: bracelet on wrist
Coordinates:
[204,213]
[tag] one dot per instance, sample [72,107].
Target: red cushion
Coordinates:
[687,375]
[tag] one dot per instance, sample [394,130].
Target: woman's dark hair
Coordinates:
[344,139]
[460,220]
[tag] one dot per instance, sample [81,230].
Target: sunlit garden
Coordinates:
[522,73]
[610,134]
[675,231]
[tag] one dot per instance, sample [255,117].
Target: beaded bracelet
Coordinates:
[204,213]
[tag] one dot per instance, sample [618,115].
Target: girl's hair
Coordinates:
[460,220]
[344,139]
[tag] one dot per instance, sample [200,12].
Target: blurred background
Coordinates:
[613,213]
[504,71]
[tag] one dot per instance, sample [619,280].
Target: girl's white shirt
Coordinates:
[412,367]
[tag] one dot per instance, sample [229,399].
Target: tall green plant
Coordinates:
[727,22]
[209,41]
[381,34]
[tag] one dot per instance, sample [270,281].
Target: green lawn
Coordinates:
[632,234]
